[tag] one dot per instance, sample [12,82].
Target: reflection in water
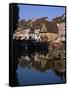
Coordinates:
[37,68]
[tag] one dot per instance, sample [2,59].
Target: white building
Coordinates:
[61,31]
[22,34]
[37,35]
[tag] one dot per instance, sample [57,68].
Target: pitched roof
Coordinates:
[52,27]
[37,24]
[59,19]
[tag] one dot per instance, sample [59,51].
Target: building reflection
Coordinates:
[39,61]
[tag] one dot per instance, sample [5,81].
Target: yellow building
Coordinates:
[51,36]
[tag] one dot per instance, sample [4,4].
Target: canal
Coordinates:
[34,67]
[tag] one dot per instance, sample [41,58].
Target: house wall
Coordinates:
[61,28]
[23,34]
[51,36]
[61,31]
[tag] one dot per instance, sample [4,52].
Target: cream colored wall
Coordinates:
[51,36]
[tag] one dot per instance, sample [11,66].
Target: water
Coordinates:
[28,76]
[35,68]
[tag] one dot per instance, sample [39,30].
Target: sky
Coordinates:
[30,11]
